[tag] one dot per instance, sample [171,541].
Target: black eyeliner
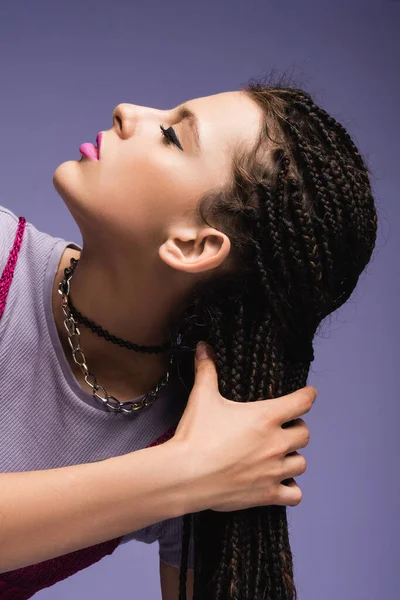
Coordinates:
[170,134]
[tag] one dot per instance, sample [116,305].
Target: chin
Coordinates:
[68,183]
[64,178]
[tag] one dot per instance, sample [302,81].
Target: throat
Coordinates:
[123,373]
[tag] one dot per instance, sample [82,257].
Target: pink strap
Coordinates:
[8,273]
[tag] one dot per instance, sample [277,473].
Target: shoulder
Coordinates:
[7,211]
[8,219]
[8,229]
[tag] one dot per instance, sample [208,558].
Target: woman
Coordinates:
[283,229]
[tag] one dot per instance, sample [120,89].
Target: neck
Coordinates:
[139,309]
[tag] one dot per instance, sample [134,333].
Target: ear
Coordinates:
[195,250]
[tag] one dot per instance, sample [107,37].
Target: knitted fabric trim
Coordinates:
[8,273]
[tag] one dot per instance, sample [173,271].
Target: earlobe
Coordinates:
[195,254]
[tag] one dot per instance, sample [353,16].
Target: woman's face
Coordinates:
[142,187]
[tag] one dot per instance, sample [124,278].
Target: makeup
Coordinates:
[90,150]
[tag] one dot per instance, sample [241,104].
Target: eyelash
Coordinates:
[170,137]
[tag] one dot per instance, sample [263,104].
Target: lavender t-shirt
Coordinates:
[46,419]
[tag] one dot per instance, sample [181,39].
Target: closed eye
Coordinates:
[170,137]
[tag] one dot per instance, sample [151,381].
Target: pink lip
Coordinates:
[99,139]
[89,150]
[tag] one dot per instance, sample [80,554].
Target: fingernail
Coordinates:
[201,350]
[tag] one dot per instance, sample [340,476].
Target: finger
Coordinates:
[294,465]
[297,435]
[289,493]
[286,408]
[205,369]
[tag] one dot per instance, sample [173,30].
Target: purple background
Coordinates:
[64,67]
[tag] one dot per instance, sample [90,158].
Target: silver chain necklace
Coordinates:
[111,402]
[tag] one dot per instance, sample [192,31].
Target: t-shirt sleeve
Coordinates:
[170,543]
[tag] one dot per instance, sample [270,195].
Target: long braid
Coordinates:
[304,231]
[236,560]
[223,569]
[238,342]
[187,519]
[247,536]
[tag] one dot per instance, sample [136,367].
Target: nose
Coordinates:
[125,118]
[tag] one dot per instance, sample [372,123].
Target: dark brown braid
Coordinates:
[302,223]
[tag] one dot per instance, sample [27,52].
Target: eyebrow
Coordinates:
[185,114]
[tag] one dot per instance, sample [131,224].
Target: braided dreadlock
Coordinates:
[302,224]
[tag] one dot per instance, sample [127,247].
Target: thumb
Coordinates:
[204,364]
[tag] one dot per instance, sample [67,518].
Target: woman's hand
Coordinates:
[237,454]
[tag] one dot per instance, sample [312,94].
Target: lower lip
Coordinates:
[89,150]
